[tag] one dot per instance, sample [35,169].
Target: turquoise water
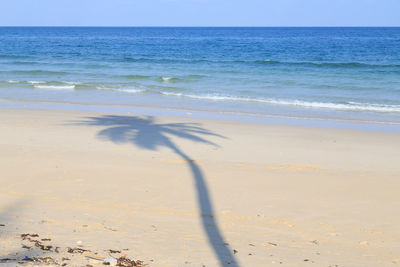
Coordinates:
[323,72]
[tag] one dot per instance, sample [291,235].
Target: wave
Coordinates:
[131,59]
[195,76]
[186,78]
[35,82]
[53,83]
[123,90]
[135,77]
[265,62]
[2,56]
[350,106]
[327,64]
[96,66]
[29,63]
[69,82]
[323,64]
[168,79]
[164,60]
[40,72]
[55,87]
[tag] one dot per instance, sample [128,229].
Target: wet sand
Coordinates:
[184,191]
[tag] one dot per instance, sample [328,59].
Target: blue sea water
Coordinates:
[322,72]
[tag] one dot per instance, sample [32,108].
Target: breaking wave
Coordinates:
[55,87]
[122,90]
[350,106]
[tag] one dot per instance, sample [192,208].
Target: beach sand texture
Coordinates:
[192,192]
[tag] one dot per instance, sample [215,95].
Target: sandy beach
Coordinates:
[179,191]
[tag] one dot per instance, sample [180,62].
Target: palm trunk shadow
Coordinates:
[214,235]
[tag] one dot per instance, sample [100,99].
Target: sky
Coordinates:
[199,12]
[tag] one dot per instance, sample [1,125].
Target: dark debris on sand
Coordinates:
[34,239]
[125,262]
[76,250]
[37,243]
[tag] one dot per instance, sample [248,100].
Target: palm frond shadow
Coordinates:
[146,133]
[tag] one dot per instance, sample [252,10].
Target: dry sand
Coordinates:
[185,192]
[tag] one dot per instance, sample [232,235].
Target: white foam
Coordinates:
[73,83]
[55,87]
[12,81]
[167,79]
[337,106]
[174,94]
[36,82]
[351,106]
[123,90]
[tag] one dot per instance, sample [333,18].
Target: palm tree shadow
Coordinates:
[146,133]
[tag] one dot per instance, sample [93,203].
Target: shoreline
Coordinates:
[340,123]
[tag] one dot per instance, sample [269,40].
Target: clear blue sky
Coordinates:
[200,12]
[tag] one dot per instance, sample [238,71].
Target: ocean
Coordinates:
[340,73]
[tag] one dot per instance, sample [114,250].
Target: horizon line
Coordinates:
[137,26]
